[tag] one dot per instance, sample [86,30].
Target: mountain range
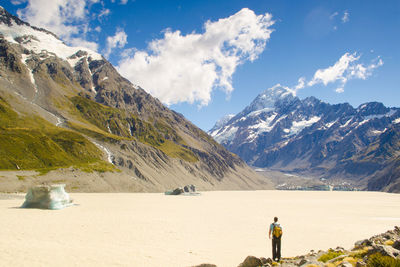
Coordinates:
[67,116]
[309,137]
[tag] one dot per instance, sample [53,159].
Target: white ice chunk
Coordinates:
[51,197]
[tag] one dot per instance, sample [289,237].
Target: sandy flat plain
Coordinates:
[143,229]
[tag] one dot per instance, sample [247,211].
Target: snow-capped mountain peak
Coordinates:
[222,121]
[267,100]
[39,41]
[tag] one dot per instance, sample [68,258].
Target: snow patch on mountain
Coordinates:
[258,112]
[347,123]
[227,134]
[298,126]
[264,125]
[24,58]
[379,116]
[377,132]
[41,42]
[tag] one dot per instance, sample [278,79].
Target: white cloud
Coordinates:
[300,84]
[79,42]
[333,15]
[186,68]
[124,2]
[345,69]
[335,72]
[104,12]
[66,18]
[339,90]
[346,17]
[18,2]
[118,40]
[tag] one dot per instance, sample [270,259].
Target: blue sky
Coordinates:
[206,59]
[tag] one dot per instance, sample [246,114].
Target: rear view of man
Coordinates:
[276,230]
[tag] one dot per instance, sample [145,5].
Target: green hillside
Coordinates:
[30,142]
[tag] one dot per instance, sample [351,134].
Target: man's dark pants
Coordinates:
[276,248]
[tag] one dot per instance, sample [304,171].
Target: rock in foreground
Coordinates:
[379,250]
[51,197]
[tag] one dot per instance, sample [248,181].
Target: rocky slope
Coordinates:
[66,109]
[377,251]
[310,137]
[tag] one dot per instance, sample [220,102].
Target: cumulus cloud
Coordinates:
[334,72]
[118,40]
[66,18]
[186,68]
[345,69]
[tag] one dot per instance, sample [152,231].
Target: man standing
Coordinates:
[276,230]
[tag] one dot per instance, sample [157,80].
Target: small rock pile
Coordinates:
[379,250]
[187,189]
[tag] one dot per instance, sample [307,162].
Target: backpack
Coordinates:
[277,232]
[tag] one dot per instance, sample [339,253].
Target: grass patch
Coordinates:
[95,132]
[176,151]
[97,167]
[359,254]
[351,260]
[378,260]
[32,143]
[330,255]
[21,177]
[45,171]
[389,243]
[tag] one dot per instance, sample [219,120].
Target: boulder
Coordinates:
[176,191]
[345,264]
[302,262]
[251,261]
[266,261]
[192,188]
[396,244]
[385,250]
[189,188]
[51,197]
[362,243]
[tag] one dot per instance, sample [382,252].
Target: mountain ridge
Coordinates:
[312,138]
[78,90]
